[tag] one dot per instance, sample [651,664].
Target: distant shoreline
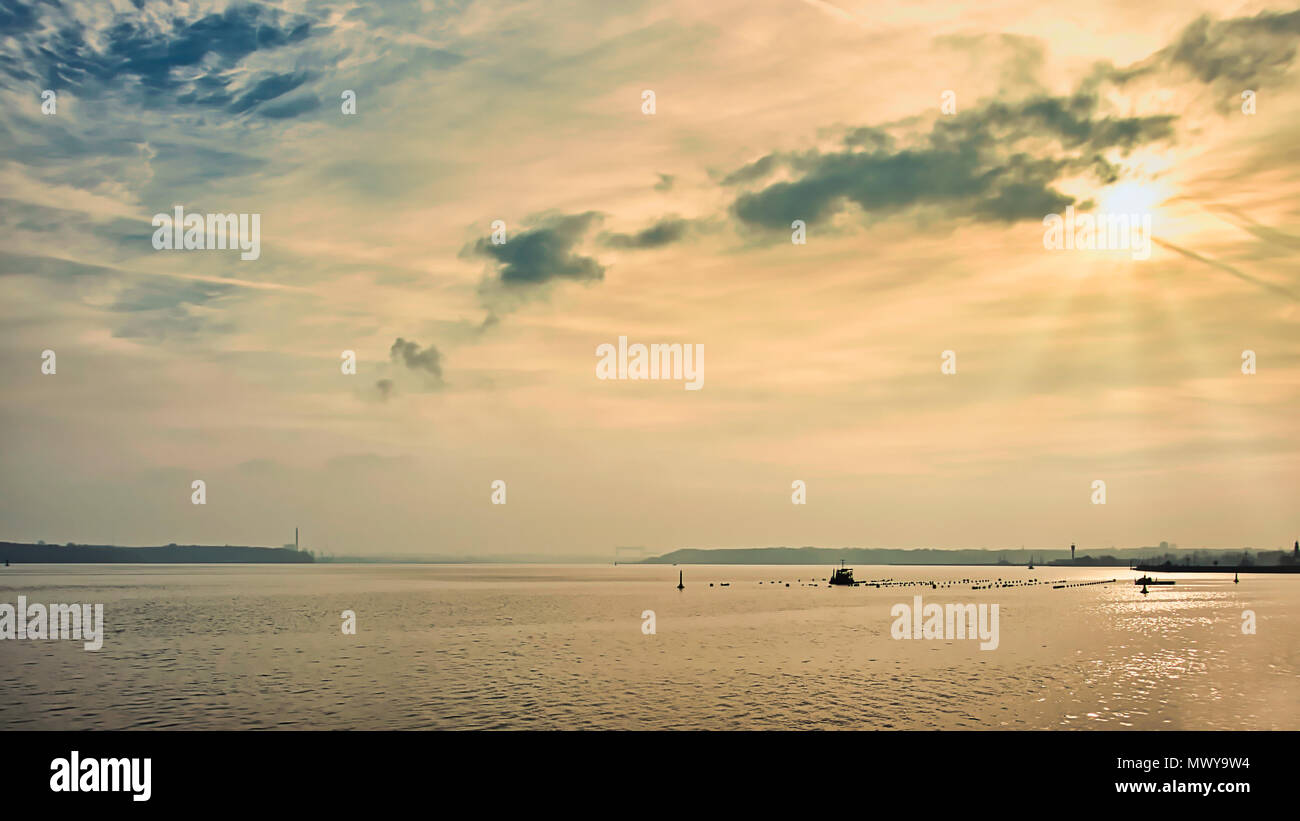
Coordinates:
[1155,557]
[1201,568]
[19,553]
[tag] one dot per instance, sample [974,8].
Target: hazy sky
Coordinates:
[822,360]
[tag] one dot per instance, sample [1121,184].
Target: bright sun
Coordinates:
[1131,198]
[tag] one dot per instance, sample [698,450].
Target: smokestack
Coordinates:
[295,538]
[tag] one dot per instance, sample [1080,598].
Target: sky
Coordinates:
[921,147]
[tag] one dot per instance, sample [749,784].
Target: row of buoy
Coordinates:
[1082,584]
[1000,583]
[976,584]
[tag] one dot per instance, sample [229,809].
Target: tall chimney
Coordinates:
[295,538]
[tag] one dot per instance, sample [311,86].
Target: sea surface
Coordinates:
[563,647]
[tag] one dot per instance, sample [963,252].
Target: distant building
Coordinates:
[1071,552]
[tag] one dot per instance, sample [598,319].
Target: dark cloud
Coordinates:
[544,253]
[291,108]
[409,353]
[385,388]
[663,232]
[1242,51]
[268,89]
[753,172]
[161,58]
[871,139]
[978,163]
[16,18]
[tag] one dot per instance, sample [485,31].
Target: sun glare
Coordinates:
[1131,198]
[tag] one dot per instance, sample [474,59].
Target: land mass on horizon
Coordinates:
[1163,555]
[21,553]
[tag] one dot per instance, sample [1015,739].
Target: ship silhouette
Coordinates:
[843,576]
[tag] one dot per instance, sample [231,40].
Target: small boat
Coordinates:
[1146,580]
[1236,578]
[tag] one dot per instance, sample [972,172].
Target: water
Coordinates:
[544,646]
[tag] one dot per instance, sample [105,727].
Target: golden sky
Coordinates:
[476,362]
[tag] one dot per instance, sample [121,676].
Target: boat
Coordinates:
[1145,580]
[680,584]
[843,576]
[1031,562]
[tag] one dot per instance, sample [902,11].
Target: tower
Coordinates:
[1071,552]
[295,538]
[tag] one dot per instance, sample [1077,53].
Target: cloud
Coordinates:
[291,108]
[997,162]
[1242,51]
[164,294]
[159,58]
[53,268]
[268,89]
[665,182]
[752,172]
[409,353]
[162,309]
[545,253]
[664,232]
